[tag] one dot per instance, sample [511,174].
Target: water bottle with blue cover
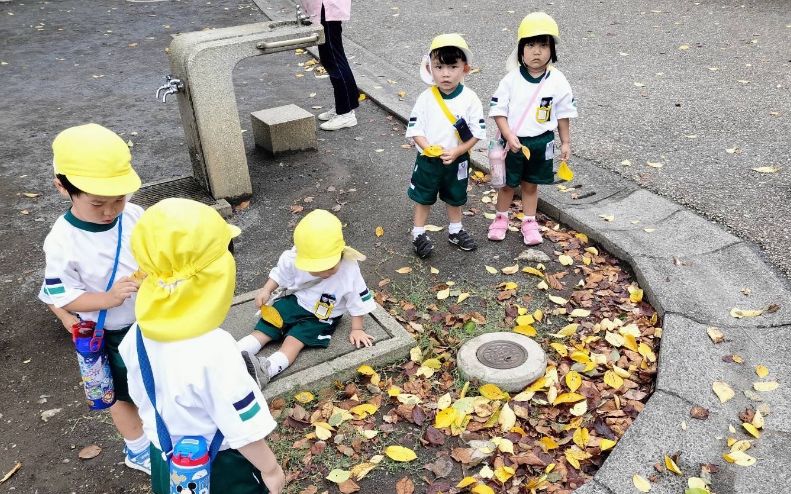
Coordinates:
[190,466]
[94,365]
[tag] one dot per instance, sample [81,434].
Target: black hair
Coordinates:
[541,38]
[230,246]
[448,55]
[70,187]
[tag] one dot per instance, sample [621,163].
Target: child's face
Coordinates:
[448,76]
[536,55]
[97,209]
[327,273]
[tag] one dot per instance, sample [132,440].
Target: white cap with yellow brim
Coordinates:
[443,40]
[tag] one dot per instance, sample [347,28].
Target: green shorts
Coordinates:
[431,178]
[117,366]
[231,473]
[536,170]
[300,324]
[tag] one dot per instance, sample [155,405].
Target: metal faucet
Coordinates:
[302,18]
[171,86]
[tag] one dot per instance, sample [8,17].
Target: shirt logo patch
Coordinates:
[366,295]
[493,102]
[482,123]
[412,121]
[53,286]
[247,407]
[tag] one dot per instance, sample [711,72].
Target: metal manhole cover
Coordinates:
[501,354]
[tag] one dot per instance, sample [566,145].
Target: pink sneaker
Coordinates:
[530,232]
[498,228]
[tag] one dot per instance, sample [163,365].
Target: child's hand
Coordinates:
[565,151]
[68,320]
[122,290]
[360,338]
[513,143]
[262,297]
[450,155]
[274,480]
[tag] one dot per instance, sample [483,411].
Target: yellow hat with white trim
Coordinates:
[534,24]
[95,160]
[441,41]
[182,247]
[318,239]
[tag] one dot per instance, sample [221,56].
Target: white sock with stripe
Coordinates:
[278,362]
[454,228]
[249,344]
[137,445]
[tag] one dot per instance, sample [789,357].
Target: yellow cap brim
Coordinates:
[235,230]
[112,186]
[325,263]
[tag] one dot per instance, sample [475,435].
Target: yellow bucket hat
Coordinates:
[96,160]
[534,24]
[318,238]
[441,41]
[182,247]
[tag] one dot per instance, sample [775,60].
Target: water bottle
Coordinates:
[190,466]
[94,366]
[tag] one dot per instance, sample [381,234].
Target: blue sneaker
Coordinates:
[139,461]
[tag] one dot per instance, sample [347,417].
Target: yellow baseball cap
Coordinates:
[441,41]
[96,160]
[182,247]
[318,238]
[533,24]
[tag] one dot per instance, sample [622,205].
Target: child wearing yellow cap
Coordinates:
[186,373]
[445,123]
[322,282]
[530,103]
[93,169]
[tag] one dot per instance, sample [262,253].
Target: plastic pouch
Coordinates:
[497,153]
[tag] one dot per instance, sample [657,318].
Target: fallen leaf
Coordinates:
[761,371]
[492,392]
[641,483]
[89,452]
[482,488]
[565,260]
[304,397]
[507,418]
[698,412]
[48,414]
[434,270]
[491,270]
[338,476]
[405,486]
[404,270]
[568,398]
[635,294]
[434,228]
[379,231]
[766,386]
[557,300]
[613,380]
[723,391]
[400,453]
[348,487]
[564,172]
[715,334]
[606,444]
[510,269]
[766,169]
[740,313]
[443,294]
[466,481]
[752,430]
[366,370]
[739,458]
[671,466]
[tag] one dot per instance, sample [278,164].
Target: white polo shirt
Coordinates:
[80,256]
[428,120]
[516,89]
[346,288]
[202,385]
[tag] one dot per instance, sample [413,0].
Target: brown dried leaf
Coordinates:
[89,452]
[698,412]
[442,467]
[348,487]
[405,486]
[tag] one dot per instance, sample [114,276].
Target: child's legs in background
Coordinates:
[454,214]
[529,198]
[126,420]
[421,214]
[504,197]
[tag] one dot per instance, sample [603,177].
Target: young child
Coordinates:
[93,169]
[196,376]
[322,282]
[446,122]
[538,96]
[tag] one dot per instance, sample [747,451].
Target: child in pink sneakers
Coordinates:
[531,101]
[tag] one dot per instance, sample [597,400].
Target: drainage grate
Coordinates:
[186,187]
[501,354]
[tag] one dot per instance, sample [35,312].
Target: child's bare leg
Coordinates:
[529,198]
[285,356]
[504,197]
[421,215]
[126,420]
[454,214]
[254,342]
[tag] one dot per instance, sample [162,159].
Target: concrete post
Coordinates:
[204,61]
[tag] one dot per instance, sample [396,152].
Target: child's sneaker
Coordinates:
[530,232]
[462,240]
[340,122]
[423,245]
[139,461]
[258,368]
[327,115]
[498,228]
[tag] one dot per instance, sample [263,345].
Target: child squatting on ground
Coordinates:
[322,282]
[537,98]
[446,122]
[93,169]
[179,359]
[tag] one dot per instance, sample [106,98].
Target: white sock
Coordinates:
[502,213]
[454,228]
[418,230]
[137,445]
[249,344]
[278,362]
[529,218]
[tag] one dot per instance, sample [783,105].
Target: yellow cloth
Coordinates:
[536,24]
[182,247]
[318,238]
[96,160]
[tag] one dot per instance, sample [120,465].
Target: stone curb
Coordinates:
[693,272]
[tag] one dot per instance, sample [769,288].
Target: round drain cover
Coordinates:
[501,354]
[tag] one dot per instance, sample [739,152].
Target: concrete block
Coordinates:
[504,349]
[317,367]
[284,128]
[592,487]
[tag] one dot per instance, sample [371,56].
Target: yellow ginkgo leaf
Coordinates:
[641,483]
[581,437]
[445,418]
[765,386]
[723,391]
[568,398]
[304,397]
[492,392]
[752,430]
[635,294]
[379,231]
[526,330]
[606,444]
[548,443]
[503,473]
[363,410]
[366,370]
[466,481]
[525,320]
[482,488]
[564,172]
[339,476]
[393,391]
[761,371]
[671,466]
[272,316]
[491,270]
[400,453]
[573,380]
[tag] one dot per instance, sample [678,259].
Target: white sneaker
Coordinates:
[327,115]
[340,122]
